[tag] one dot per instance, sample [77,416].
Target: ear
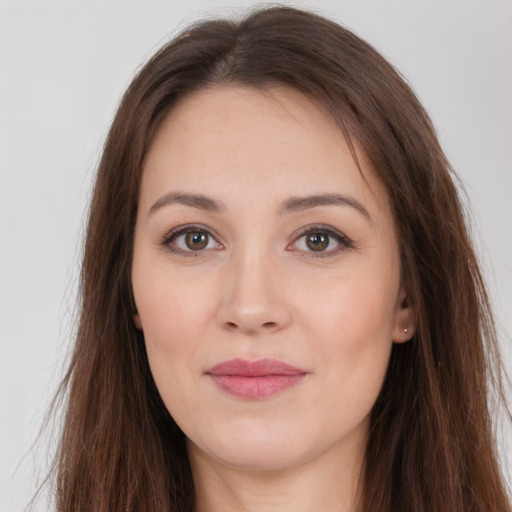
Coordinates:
[137,321]
[405,319]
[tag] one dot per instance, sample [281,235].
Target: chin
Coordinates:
[258,448]
[251,457]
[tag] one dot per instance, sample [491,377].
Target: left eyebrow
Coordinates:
[199,201]
[297,204]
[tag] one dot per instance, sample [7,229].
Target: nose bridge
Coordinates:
[253,295]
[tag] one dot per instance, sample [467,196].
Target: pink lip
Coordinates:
[255,379]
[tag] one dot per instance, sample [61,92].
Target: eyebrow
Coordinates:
[297,204]
[198,201]
[293,204]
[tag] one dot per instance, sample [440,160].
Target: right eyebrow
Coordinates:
[198,201]
[297,204]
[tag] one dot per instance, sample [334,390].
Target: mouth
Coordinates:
[255,379]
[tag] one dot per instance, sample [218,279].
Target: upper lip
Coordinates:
[258,368]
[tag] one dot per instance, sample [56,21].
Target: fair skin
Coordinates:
[252,275]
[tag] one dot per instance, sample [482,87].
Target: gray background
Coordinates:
[63,68]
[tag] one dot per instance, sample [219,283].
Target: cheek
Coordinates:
[174,314]
[173,317]
[359,311]
[353,328]
[172,303]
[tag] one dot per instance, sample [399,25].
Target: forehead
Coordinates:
[275,142]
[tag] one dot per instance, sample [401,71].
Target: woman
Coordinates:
[281,307]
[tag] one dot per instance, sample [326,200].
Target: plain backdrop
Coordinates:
[63,68]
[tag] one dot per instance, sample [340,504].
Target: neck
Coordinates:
[328,483]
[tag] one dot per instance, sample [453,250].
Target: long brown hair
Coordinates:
[431,445]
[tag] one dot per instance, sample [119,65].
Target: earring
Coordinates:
[406,330]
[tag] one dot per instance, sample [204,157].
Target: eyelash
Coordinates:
[182,230]
[343,240]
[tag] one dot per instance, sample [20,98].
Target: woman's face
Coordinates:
[266,276]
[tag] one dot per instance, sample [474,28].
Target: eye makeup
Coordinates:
[319,238]
[195,240]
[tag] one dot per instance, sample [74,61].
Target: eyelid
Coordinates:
[181,230]
[344,241]
[341,238]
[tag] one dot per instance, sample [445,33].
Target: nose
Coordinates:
[254,297]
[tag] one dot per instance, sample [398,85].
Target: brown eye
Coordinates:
[321,242]
[317,241]
[190,241]
[196,240]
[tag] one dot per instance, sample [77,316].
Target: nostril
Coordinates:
[266,325]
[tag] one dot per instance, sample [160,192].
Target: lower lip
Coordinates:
[256,387]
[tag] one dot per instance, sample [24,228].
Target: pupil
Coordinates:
[318,241]
[196,240]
